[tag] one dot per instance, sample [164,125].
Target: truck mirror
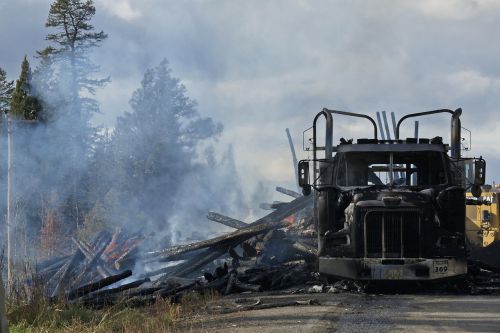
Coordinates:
[303,176]
[479,171]
[476,190]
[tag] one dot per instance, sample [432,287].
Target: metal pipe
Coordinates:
[455,127]
[383,235]
[328,139]
[456,133]
[382,135]
[294,158]
[393,118]
[359,115]
[418,114]
[416,137]
[328,155]
[386,124]
[391,170]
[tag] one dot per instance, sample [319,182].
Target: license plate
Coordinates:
[440,266]
[393,274]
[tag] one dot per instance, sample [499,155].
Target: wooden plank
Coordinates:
[226,220]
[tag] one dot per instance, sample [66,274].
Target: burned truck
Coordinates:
[390,209]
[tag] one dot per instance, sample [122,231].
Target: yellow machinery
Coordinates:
[482,221]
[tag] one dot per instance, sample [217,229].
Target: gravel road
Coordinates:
[353,313]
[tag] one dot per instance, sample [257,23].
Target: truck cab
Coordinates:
[389,209]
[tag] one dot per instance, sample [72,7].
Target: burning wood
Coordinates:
[244,268]
[93,257]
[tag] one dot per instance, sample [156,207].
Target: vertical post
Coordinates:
[382,134]
[381,128]
[383,234]
[294,158]
[393,118]
[387,131]
[394,175]
[9,201]
[456,136]
[414,180]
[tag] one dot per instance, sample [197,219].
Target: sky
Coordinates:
[262,66]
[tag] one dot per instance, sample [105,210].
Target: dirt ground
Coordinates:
[350,312]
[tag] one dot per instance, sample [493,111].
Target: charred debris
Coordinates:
[277,252]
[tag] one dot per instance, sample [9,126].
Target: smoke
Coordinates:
[214,185]
[157,172]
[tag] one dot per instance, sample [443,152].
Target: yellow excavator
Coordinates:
[482,225]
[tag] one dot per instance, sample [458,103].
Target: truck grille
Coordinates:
[392,234]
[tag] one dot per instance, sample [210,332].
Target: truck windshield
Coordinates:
[359,169]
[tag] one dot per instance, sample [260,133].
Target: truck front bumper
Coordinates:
[393,269]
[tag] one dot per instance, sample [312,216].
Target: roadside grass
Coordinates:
[40,316]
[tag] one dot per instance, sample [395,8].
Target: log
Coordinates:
[305,249]
[272,206]
[129,256]
[176,281]
[51,264]
[150,295]
[265,206]
[288,192]
[62,274]
[93,257]
[226,220]
[106,292]
[169,291]
[177,257]
[141,291]
[87,289]
[197,262]
[56,265]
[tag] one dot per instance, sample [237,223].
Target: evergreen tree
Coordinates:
[6,88]
[73,39]
[154,149]
[24,105]
[66,77]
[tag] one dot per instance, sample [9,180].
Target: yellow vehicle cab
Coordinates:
[482,220]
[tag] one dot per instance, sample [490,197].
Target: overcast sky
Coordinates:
[261,66]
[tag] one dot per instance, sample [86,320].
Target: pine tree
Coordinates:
[155,148]
[73,39]
[24,105]
[66,76]
[6,88]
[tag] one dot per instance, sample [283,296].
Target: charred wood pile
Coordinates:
[275,252]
